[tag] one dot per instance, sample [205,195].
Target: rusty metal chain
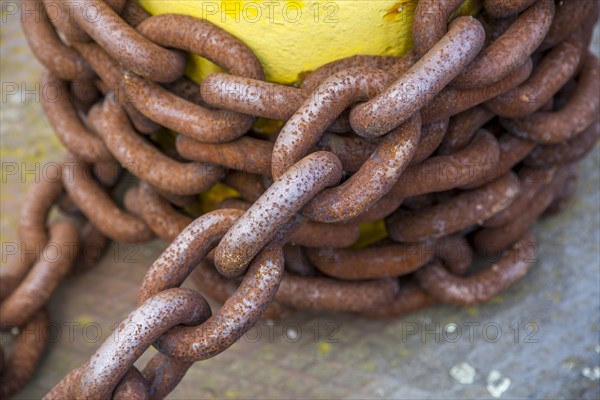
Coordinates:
[457,147]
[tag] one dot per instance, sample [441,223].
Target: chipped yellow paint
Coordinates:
[232,394]
[324,348]
[473,311]
[291,37]
[369,366]
[84,320]
[267,353]
[404,352]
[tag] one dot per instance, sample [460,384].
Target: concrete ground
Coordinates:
[540,339]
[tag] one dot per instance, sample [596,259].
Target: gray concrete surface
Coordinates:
[542,334]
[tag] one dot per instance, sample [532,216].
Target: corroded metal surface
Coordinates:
[496,382]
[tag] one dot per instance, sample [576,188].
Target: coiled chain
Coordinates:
[456,148]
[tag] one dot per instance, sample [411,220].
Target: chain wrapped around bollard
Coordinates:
[457,147]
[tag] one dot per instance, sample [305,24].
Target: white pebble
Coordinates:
[497,384]
[451,327]
[463,373]
[593,374]
[292,334]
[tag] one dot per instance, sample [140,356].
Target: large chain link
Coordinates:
[412,141]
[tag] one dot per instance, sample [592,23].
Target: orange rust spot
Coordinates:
[399,8]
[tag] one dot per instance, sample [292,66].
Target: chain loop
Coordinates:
[99,208]
[567,152]
[422,82]
[580,111]
[452,101]
[30,343]
[504,8]
[244,308]
[484,285]
[45,44]
[274,209]
[462,211]
[555,69]
[69,128]
[36,288]
[143,160]
[492,240]
[568,18]
[98,378]
[127,45]
[431,22]
[372,181]
[509,50]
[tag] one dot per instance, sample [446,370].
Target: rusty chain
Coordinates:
[458,147]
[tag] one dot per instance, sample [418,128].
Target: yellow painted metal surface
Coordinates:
[293,37]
